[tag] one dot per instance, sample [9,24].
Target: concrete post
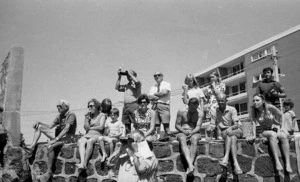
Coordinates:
[11,77]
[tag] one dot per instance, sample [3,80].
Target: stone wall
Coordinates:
[254,161]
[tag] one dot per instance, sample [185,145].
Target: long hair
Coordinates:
[191,77]
[106,106]
[254,111]
[215,73]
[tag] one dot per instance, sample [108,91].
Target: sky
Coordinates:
[73,49]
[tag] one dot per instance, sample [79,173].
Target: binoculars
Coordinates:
[124,73]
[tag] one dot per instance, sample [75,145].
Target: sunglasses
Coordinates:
[59,106]
[130,140]
[90,106]
[157,75]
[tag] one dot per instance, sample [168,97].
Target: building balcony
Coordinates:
[244,115]
[233,77]
[236,96]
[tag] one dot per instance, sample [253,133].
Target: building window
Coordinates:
[261,54]
[241,108]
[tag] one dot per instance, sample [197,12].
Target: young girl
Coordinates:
[114,129]
[289,117]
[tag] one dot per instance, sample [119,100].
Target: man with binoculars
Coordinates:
[132,91]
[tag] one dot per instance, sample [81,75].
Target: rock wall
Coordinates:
[254,160]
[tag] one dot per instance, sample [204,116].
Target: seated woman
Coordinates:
[114,129]
[94,125]
[265,125]
[215,88]
[144,119]
[191,89]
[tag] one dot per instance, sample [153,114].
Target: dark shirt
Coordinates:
[62,120]
[265,88]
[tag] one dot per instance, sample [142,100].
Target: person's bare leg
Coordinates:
[286,151]
[111,145]
[185,150]
[88,151]
[227,150]
[272,137]
[102,147]
[234,153]
[81,145]
[193,150]
[37,134]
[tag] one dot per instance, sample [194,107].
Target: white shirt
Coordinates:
[163,86]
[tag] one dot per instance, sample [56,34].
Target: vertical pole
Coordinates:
[275,68]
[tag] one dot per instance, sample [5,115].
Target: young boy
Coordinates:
[288,122]
[114,129]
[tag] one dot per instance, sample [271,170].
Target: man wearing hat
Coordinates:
[65,123]
[160,96]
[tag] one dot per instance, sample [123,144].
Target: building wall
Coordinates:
[288,49]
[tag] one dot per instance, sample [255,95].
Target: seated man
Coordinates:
[65,123]
[188,123]
[137,162]
[226,119]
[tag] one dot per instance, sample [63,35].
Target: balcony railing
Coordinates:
[242,113]
[225,77]
[232,74]
[236,93]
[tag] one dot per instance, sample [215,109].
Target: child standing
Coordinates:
[114,129]
[289,118]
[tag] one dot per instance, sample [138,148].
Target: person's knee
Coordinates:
[195,139]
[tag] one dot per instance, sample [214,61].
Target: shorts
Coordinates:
[162,114]
[128,112]
[188,138]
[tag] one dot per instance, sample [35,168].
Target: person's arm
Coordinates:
[141,167]
[117,86]
[151,95]
[199,122]
[134,79]
[258,91]
[152,123]
[281,93]
[165,89]
[178,122]
[276,112]
[100,123]
[293,116]
[184,94]
[86,124]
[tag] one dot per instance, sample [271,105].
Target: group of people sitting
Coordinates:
[140,123]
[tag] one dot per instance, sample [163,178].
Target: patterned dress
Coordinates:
[143,121]
[212,101]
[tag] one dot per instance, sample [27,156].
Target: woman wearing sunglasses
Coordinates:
[144,119]
[94,124]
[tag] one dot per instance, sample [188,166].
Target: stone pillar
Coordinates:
[11,77]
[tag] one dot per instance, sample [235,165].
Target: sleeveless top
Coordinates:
[142,121]
[96,122]
[266,120]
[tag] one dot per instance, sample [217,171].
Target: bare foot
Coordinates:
[279,166]
[190,170]
[104,157]
[289,169]
[79,166]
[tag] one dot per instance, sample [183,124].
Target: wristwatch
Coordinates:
[56,138]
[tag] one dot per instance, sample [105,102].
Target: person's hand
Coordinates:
[36,125]
[187,132]
[250,139]
[119,71]
[274,93]
[184,87]
[51,142]
[229,131]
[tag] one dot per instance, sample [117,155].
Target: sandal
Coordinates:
[224,164]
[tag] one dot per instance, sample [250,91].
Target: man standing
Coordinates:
[132,92]
[160,96]
[225,118]
[270,89]
[65,123]
[188,123]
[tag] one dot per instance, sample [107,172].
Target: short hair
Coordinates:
[268,69]
[134,73]
[191,77]
[142,97]
[141,136]
[115,111]
[96,102]
[288,102]
[106,105]
[194,100]
[64,102]
[220,95]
